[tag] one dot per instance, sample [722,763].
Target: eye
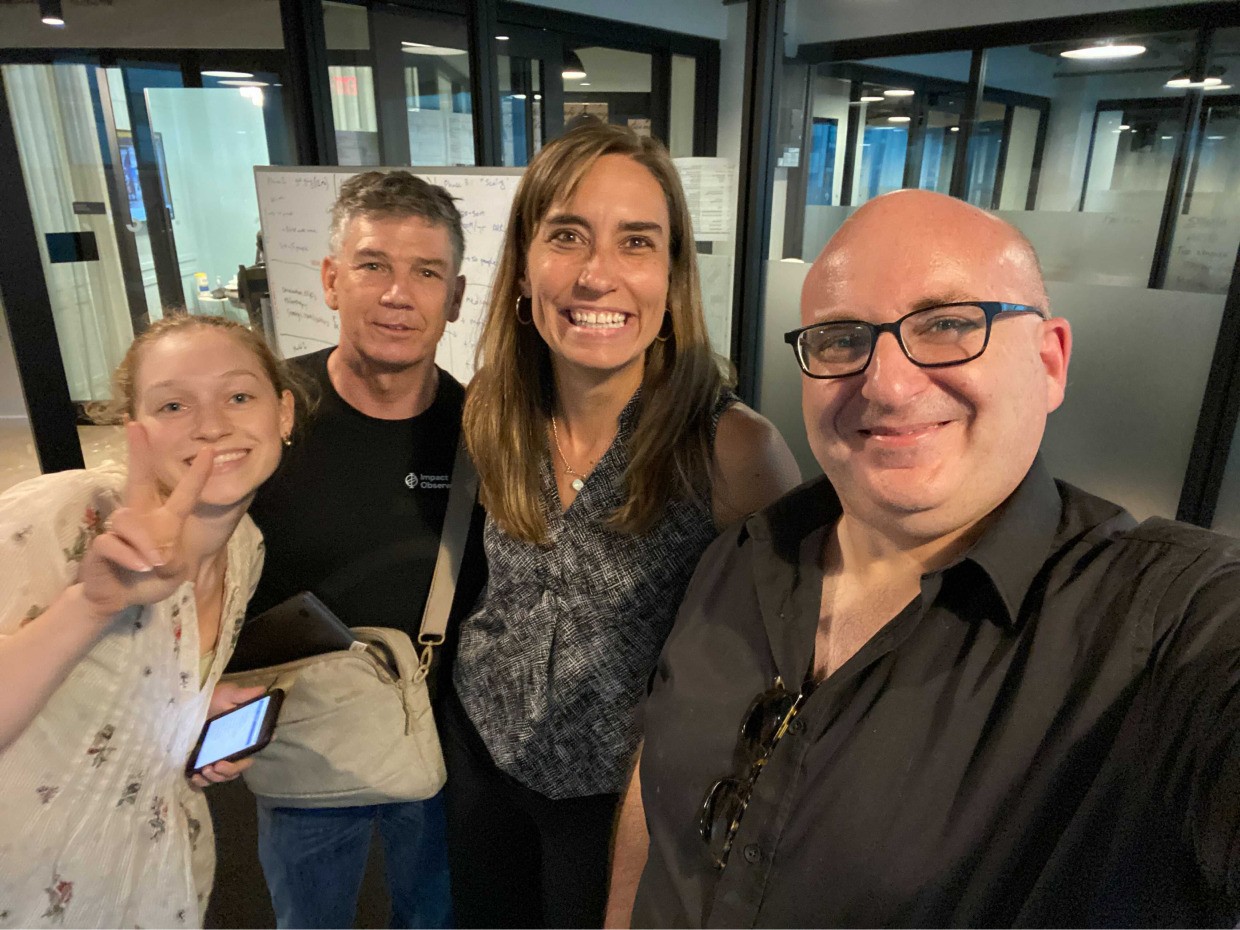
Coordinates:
[173,406]
[370,266]
[565,237]
[241,397]
[639,242]
[430,273]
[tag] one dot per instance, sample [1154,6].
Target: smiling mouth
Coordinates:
[395,327]
[223,458]
[896,433]
[597,319]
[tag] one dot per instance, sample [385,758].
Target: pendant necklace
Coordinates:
[578,481]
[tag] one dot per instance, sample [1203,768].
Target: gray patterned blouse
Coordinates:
[555,658]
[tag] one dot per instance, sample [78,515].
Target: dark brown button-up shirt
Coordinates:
[1047,735]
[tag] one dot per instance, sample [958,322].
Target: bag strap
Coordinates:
[452,539]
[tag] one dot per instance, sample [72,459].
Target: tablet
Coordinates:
[297,628]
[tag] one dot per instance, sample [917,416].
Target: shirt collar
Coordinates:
[1011,551]
[1014,547]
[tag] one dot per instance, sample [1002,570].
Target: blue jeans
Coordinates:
[314,860]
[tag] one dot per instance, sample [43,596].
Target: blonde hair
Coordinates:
[511,398]
[281,375]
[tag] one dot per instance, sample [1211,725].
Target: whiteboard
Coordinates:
[294,208]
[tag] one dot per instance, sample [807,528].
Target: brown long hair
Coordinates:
[511,396]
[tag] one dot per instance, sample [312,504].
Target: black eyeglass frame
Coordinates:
[990,309]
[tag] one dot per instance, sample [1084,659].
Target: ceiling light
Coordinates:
[1166,137]
[501,38]
[244,83]
[1103,51]
[1215,138]
[538,96]
[955,129]
[1123,126]
[898,92]
[898,119]
[227,74]
[420,48]
[584,84]
[50,12]
[1218,87]
[518,96]
[1184,80]
[574,70]
[870,98]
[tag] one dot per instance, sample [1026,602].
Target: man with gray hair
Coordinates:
[354,515]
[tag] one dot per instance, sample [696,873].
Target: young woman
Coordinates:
[610,454]
[121,595]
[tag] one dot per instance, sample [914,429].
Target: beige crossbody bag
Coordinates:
[356,726]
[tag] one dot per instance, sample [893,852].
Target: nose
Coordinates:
[211,423]
[891,378]
[400,293]
[598,271]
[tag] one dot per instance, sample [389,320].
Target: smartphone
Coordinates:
[237,733]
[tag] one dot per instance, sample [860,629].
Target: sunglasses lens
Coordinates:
[722,807]
[766,713]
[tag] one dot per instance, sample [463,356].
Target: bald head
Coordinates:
[899,231]
[917,451]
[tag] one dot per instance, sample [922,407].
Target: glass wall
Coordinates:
[1090,158]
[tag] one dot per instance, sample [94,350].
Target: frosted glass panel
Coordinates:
[1138,374]
[779,389]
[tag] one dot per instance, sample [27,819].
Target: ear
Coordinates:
[453,312]
[287,407]
[1056,351]
[524,284]
[328,271]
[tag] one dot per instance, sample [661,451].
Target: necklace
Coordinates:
[578,481]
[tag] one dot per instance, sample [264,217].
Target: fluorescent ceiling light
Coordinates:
[227,74]
[898,119]
[1103,51]
[419,48]
[501,38]
[538,96]
[518,96]
[1218,87]
[244,83]
[1183,80]
[870,98]
[585,84]
[1123,126]
[955,129]
[898,92]
[1215,138]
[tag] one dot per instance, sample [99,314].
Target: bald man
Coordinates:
[938,687]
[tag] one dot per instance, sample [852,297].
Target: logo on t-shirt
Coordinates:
[427,482]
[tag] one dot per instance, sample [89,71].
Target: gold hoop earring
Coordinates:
[531,318]
[668,325]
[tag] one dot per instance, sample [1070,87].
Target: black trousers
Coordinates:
[518,858]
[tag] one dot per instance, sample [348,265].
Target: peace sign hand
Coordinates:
[140,559]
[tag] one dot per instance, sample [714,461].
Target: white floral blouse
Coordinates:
[98,825]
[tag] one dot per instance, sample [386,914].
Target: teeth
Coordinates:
[601,320]
[226,457]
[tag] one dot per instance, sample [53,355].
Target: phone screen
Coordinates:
[232,732]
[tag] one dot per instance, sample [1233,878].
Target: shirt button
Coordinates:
[797,726]
[753,853]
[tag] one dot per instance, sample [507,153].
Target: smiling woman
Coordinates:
[611,452]
[121,594]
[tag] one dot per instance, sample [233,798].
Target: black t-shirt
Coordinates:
[354,512]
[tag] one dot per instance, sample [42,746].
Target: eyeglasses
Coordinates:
[936,337]
[763,726]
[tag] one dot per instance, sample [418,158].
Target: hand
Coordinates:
[225,697]
[140,559]
[219,772]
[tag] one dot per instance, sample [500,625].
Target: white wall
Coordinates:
[146,24]
[832,20]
